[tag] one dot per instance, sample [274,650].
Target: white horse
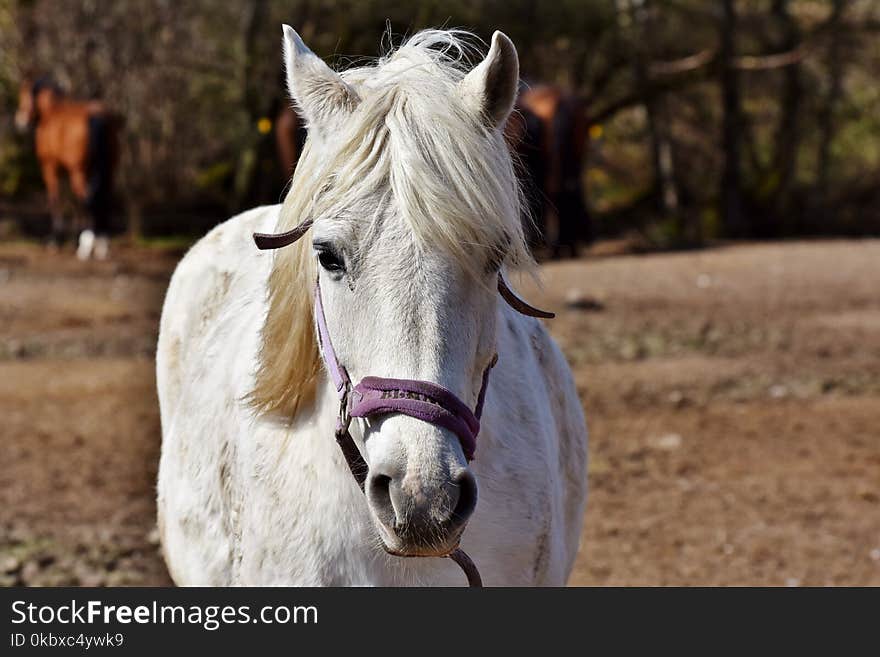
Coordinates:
[416,211]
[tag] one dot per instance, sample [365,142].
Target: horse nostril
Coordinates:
[379,493]
[467,498]
[422,515]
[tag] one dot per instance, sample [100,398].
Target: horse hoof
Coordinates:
[102,248]
[86,244]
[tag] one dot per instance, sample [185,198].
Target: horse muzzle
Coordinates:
[418,518]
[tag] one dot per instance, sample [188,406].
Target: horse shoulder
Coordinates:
[570,425]
[45,140]
[208,285]
[209,319]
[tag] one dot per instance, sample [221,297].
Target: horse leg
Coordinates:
[98,180]
[50,179]
[553,228]
[80,186]
[568,221]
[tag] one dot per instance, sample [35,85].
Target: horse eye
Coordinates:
[330,261]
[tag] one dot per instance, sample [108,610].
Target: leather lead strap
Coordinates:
[356,463]
[279,240]
[518,304]
[464,562]
[265,241]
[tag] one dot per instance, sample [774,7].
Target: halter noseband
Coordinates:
[422,400]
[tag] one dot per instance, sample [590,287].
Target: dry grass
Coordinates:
[733,397]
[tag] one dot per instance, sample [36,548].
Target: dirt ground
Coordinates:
[733,398]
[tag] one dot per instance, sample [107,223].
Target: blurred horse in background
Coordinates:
[290,138]
[81,138]
[548,133]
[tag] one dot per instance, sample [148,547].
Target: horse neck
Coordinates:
[48,105]
[60,105]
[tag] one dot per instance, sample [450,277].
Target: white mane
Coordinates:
[451,176]
[411,136]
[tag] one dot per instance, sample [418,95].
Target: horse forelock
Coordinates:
[411,139]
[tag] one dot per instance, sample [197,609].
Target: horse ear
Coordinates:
[320,93]
[490,89]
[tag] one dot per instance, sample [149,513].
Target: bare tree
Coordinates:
[831,101]
[732,217]
[666,191]
[787,139]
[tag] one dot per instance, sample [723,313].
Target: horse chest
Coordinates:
[63,140]
[300,522]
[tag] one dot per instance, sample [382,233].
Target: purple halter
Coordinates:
[422,400]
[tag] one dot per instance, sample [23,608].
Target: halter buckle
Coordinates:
[343,420]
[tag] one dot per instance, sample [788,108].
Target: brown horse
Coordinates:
[548,133]
[81,139]
[290,136]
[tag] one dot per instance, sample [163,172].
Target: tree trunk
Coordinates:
[732,218]
[665,190]
[826,114]
[246,168]
[785,158]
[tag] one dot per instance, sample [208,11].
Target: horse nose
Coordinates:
[424,517]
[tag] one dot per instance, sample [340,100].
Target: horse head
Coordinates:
[35,97]
[413,207]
